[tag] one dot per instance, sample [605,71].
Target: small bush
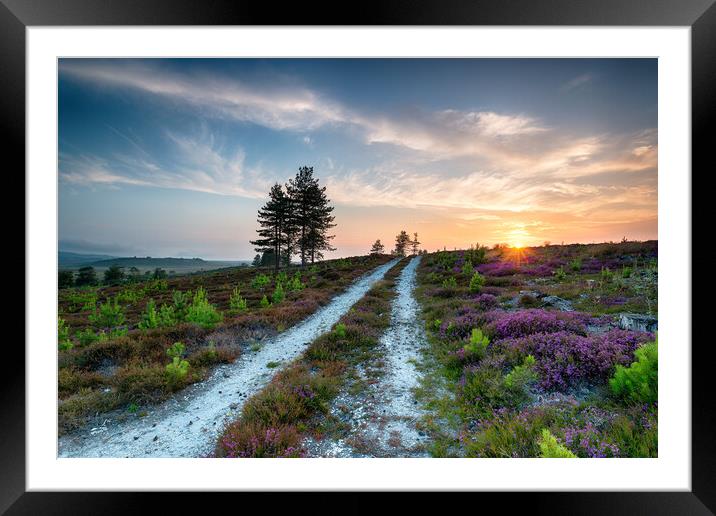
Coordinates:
[576,265]
[552,449]
[166,316]
[86,337]
[476,282]
[467,268]
[639,381]
[260,281]
[149,317]
[201,312]
[182,302]
[478,343]
[559,274]
[178,368]
[236,302]
[295,284]
[340,330]
[265,303]
[278,295]
[450,282]
[519,379]
[63,335]
[110,315]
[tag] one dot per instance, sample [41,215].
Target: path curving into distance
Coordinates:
[188,424]
[383,418]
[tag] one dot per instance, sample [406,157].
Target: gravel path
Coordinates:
[188,424]
[382,417]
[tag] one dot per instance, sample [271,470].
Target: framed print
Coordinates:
[436,249]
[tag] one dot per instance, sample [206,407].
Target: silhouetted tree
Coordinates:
[401,242]
[159,273]
[276,228]
[414,244]
[86,276]
[311,216]
[377,248]
[257,261]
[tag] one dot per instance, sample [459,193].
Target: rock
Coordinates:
[558,303]
[234,406]
[638,322]
[156,438]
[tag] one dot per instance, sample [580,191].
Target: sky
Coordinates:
[173,157]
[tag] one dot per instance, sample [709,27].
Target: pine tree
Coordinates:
[377,247]
[311,216]
[274,231]
[414,244]
[401,242]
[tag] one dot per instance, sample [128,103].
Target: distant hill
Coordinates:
[151,262]
[68,259]
[143,263]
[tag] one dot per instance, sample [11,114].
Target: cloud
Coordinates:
[198,163]
[294,108]
[577,82]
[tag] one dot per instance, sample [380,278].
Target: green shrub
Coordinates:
[63,335]
[130,295]
[265,302]
[639,381]
[278,294]
[467,268]
[576,265]
[476,282]
[552,449]
[86,337]
[519,379]
[478,343]
[260,281]
[182,302]
[110,314]
[149,317]
[178,368]
[201,312]
[167,316]
[626,272]
[450,282]
[84,299]
[559,274]
[295,284]
[236,302]
[281,277]
[340,330]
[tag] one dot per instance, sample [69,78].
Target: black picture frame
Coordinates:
[700,15]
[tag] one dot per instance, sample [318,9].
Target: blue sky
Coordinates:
[173,157]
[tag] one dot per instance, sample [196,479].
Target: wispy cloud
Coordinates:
[578,81]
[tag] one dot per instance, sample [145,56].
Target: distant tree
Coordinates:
[134,274]
[65,279]
[257,261]
[377,248]
[414,244]
[114,275]
[401,242]
[311,216]
[275,227]
[86,276]
[159,273]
